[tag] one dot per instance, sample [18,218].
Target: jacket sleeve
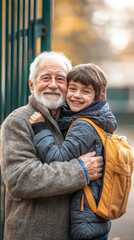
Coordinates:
[24,174]
[78,142]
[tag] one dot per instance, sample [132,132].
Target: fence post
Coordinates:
[0,104]
[47,23]
[18,46]
[1,61]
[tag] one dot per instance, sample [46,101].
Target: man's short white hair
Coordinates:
[48,55]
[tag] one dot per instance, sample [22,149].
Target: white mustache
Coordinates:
[52,91]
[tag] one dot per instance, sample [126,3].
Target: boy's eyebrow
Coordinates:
[84,86]
[72,84]
[88,87]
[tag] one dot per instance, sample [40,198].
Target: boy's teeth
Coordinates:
[76,102]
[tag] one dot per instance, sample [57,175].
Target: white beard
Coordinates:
[51,102]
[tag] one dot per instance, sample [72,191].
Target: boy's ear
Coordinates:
[102,96]
[31,86]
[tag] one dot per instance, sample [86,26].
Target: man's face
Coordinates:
[50,86]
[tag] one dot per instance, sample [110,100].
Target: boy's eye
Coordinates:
[72,89]
[86,91]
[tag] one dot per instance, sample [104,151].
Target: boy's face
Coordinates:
[79,96]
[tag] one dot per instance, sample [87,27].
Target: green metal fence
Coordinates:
[25,30]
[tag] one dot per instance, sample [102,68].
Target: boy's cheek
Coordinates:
[68,96]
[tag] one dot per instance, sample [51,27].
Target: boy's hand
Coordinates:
[36,117]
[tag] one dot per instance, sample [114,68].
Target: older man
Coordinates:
[37,195]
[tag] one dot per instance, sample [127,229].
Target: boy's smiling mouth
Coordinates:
[76,102]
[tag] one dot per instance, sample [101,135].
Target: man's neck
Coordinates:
[56,112]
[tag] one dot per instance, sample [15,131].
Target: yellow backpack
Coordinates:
[117,175]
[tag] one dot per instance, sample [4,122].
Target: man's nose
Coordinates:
[53,83]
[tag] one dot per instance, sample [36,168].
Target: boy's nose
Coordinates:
[77,94]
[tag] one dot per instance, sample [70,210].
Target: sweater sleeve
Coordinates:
[78,142]
[24,174]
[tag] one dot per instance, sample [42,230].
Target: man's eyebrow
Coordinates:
[58,74]
[43,74]
[62,75]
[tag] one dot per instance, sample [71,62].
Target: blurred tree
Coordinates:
[87,30]
[100,31]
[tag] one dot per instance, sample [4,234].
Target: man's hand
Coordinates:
[94,165]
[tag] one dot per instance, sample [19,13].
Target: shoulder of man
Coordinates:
[21,112]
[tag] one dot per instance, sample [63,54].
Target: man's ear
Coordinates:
[31,86]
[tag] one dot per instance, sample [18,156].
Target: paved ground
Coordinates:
[123,228]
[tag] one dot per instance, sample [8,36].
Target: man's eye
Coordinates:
[45,78]
[59,79]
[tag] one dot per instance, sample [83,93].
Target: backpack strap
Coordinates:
[90,199]
[87,191]
[99,130]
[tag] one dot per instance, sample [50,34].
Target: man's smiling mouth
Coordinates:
[50,93]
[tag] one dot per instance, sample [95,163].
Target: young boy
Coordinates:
[85,98]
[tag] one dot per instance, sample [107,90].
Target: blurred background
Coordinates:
[102,32]
[97,31]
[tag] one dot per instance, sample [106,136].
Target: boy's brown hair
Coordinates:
[89,74]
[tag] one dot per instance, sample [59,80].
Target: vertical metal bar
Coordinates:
[7,95]
[47,22]
[0,102]
[1,108]
[23,48]
[34,32]
[13,92]
[15,79]
[35,10]
[29,47]
[18,55]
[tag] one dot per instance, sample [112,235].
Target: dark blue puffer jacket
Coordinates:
[82,138]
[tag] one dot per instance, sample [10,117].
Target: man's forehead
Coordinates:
[52,64]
